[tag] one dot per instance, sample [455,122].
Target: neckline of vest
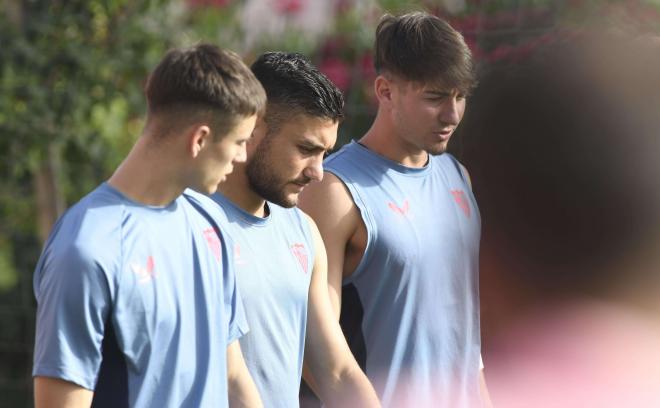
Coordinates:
[391,164]
[245,216]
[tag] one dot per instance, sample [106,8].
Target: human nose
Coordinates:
[241,154]
[314,171]
[450,113]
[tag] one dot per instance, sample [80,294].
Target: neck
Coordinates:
[383,139]
[237,189]
[149,174]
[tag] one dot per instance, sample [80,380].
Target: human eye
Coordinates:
[435,97]
[306,149]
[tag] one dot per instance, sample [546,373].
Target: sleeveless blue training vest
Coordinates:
[417,286]
[273,259]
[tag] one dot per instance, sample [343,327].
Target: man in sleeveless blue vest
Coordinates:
[402,228]
[280,258]
[137,304]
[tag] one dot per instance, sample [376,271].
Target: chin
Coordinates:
[437,149]
[288,201]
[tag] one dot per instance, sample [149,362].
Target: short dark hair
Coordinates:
[294,86]
[204,81]
[423,48]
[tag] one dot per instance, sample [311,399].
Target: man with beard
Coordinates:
[401,225]
[280,257]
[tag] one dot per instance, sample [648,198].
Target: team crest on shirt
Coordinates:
[144,273]
[213,239]
[403,210]
[300,253]
[462,201]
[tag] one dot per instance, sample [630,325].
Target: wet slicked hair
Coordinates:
[423,48]
[203,82]
[295,86]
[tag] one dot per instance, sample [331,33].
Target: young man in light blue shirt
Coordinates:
[136,298]
[402,227]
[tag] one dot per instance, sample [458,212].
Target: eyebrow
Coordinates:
[438,92]
[315,145]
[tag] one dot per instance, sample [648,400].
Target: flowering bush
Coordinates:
[338,34]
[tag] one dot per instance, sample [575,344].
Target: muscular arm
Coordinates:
[330,205]
[242,391]
[329,365]
[56,393]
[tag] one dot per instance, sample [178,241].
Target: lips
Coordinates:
[300,184]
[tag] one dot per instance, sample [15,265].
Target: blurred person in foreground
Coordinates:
[280,258]
[565,153]
[401,225]
[137,304]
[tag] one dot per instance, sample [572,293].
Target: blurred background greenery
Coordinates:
[71,104]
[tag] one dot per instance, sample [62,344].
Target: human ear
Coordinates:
[199,137]
[383,90]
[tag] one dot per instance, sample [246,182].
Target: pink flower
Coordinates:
[338,72]
[367,68]
[289,6]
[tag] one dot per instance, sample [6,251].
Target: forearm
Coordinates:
[242,390]
[348,386]
[56,393]
[241,396]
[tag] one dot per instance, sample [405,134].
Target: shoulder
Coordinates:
[330,194]
[313,230]
[344,158]
[87,237]
[93,221]
[449,162]
[203,205]
[200,199]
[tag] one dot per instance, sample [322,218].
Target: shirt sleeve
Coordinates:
[73,302]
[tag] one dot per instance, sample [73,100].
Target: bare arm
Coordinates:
[330,205]
[330,366]
[56,393]
[242,391]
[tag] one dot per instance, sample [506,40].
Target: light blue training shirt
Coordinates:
[274,257]
[413,321]
[138,302]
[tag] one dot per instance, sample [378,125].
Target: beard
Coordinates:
[264,181]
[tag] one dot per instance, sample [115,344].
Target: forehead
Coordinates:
[242,127]
[434,87]
[313,129]
[431,85]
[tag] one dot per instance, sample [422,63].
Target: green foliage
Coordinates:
[8,275]
[71,75]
